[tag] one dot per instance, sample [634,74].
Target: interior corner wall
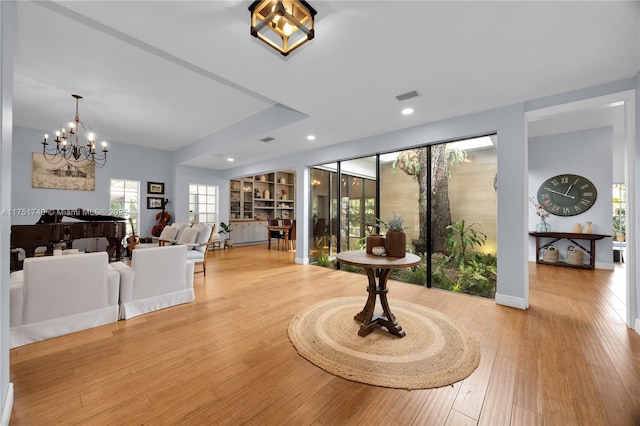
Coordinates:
[587,153]
[125,161]
[196,175]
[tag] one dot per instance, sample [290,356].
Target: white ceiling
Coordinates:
[168,74]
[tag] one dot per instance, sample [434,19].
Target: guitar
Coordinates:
[134,239]
[162,220]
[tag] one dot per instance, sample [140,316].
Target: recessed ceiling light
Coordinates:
[230,159]
[407,111]
[311,138]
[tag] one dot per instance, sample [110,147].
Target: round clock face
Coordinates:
[567,195]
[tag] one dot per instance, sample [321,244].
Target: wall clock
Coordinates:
[567,195]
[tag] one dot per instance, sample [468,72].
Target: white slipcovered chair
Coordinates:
[57,295]
[205,238]
[159,277]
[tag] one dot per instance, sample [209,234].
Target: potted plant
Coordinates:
[226,230]
[396,239]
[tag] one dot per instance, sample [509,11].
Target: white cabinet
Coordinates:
[248,231]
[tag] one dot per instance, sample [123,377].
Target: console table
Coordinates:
[556,236]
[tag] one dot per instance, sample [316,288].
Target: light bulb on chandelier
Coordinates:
[74,144]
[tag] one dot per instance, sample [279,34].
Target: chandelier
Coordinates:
[75,142]
[284,25]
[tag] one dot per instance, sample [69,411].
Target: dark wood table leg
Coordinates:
[366,316]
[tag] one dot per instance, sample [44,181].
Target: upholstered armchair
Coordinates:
[205,239]
[159,277]
[57,295]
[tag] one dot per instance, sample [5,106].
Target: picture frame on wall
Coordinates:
[155,187]
[74,175]
[154,203]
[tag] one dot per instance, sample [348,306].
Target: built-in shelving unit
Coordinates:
[262,197]
[259,198]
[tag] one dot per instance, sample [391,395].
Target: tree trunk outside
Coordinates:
[440,209]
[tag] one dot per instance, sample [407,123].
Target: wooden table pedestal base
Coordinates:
[367,317]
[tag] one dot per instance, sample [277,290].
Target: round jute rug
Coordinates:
[435,352]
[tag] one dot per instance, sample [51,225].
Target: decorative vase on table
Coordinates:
[587,228]
[543,226]
[396,243]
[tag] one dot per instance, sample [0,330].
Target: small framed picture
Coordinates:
[155,187]
[155,202]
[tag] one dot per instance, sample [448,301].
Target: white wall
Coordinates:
[6,129]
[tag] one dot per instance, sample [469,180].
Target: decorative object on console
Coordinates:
[587,228]
[575,256]
[551,254]
[577,228]
[543,225]
[74,142]
[284,25]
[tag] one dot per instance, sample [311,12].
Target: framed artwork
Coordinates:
[155,187]
[155,203]
[74,175]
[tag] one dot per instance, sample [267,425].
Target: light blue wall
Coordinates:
[188,175]
[507,122]
[125,162]
[588,153]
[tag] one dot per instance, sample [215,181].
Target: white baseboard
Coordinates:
[8,406]
[302,260]
[603,265]
[637,326]
[512,302]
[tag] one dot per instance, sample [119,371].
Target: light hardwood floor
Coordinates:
[226,359]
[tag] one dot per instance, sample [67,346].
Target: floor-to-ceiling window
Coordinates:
[446,194]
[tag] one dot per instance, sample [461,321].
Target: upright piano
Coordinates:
[51,229]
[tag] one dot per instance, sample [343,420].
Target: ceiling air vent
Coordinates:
[408,95]
[267,139]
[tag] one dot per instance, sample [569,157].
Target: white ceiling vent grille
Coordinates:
[267,139]
[408,95]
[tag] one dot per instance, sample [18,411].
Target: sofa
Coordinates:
[57,295]
[159,277]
